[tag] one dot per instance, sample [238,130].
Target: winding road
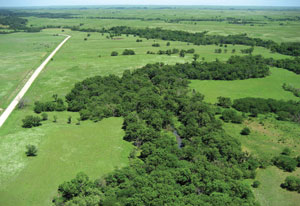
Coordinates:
[23,91]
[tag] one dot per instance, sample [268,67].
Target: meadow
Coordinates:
[21,54]
[97,148]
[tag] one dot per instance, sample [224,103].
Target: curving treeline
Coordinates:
[208,169]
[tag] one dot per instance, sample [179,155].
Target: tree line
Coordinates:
[285,110]
[291,48]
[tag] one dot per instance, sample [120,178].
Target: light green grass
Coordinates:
[94,148]
[270,193]
[21,54]
[267,139]
[268,87]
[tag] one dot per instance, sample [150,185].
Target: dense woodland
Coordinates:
[207,169]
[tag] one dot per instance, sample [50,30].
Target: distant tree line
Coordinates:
[291,48]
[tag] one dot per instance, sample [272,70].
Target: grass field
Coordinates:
[96,148]
[21,54]
[268,87]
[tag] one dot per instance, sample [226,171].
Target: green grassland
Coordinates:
[269,87]
[21,53]
[280,31]
[96,148]
[267,139]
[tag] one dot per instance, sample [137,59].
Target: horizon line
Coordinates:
[139,5]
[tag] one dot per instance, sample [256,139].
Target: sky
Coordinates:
[21,3]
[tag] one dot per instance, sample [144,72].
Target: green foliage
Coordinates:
[291,48]
[245,131]
[229,115]
[31,150]
[286,110]
[291,183]
[114,53]
[286,151]
[57,105]
[156,45]
[224,102]
[256,184]
[79,191]
[286,163]
[31,121]
[208,168]
[128,52]
[291,88]
[44,116]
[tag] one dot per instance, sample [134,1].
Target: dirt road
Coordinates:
[36,73]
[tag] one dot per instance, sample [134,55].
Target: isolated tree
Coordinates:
[31,150]
[69,120]
[224,102]
[55,96]
[195,57]
[245,131]
[256,184]
[44,116]
[114,53]
[168,43]
[31,121]
[286,151]
[54,118]
[182,53]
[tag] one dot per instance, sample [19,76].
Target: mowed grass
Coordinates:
[21,54]
[268,87]
[93,148]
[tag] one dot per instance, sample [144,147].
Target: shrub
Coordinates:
[286,163]
[31,150]
[286,151]
[256,184]
[114,53]
[44,116]
[128,52]
[245,131]
[31,121]
[156,45]
[298,161]
[224,102]
[291,183]
[230,115]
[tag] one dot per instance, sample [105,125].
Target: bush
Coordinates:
[31,150]
[31,121]
[291,183]
[128,52]
[156,45]
[114,53]
[44,116]
[224,102]
[286,151]
[286,163]
[245,131]
[256,184]
[230,115]
[298,161]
